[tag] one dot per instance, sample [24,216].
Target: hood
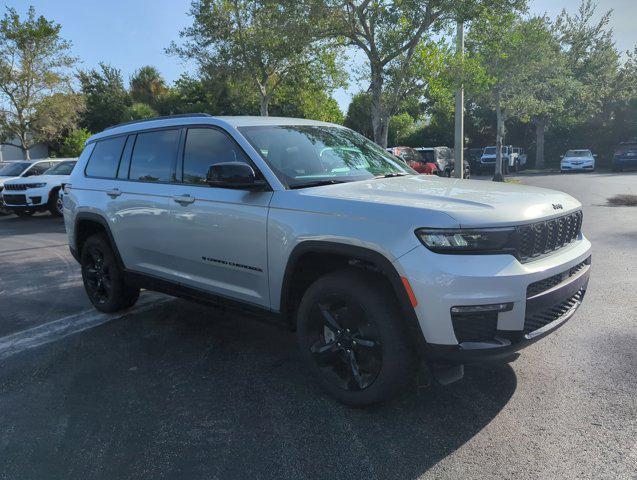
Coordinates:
[48,179]
[6,179]
[472,203]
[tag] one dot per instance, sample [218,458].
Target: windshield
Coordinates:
[14,169]
[304,155]
[578,153]
[63,168]
[489,150]
[428,155]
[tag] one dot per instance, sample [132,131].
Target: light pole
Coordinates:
[459,117]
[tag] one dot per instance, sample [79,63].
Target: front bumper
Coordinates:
[581,166]
[441,282]
[31,199]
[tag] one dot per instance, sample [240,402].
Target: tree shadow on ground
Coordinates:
[183,392]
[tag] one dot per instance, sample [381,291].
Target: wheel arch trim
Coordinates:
[354,252]
[95,218]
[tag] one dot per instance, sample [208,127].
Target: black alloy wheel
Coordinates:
[103,277]
[346,346]
[353,338]
[98,276]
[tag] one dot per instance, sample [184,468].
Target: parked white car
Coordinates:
[25,196]
[582,160]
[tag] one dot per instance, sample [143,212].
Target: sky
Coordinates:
[133,33]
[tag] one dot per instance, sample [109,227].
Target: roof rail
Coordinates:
[166,117]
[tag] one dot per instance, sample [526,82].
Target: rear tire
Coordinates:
[353,339]
[103,278]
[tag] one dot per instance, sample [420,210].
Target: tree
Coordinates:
[37,102]
[595,63]
[513,53]
[74,142]
[138,111]
[359,114]
[264,41]
[106,97]
[389,33]
[147,85]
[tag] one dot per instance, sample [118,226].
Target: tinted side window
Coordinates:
[206,147]
[105,158]
[154,156]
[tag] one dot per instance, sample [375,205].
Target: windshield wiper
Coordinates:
[392,174]
[317,183]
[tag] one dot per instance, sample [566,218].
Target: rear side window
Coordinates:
[105,158]
[154,156]
[206,147]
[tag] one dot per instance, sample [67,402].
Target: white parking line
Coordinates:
[63,327]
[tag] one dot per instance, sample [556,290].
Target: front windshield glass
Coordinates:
[63,168]
[428,155]
[14,169]
[578,153]
[304,155]
[489,150]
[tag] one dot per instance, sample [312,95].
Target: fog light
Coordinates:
[495,307]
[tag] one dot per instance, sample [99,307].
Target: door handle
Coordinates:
[184,199]
[114,193]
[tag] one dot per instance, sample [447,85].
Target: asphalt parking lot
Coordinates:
[178,390]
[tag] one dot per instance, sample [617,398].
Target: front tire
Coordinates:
[352,337]
[55,206]
[103,278]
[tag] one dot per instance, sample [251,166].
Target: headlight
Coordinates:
[483,240]
[36,185]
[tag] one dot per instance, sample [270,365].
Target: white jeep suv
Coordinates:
[379,269]
[25,196]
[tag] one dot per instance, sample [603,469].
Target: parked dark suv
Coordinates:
[625,156]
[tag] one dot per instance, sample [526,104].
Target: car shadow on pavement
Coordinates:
[39,223]
[182,391]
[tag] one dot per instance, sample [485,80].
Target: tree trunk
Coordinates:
[380,119]
[24,144]
[265,100]
[497,176]
[540,127]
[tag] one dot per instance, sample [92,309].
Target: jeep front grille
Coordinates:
[541,238]
[17,186]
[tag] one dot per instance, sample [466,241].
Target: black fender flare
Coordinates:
[373,257]
[96,218]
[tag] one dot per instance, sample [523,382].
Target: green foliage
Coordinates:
[263,41]
[138,111]
[400,127]
[38,103]
[147,85]
[106,97]
[73,143]
[393,37]
[359,115]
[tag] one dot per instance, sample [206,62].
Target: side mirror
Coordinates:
[233,175]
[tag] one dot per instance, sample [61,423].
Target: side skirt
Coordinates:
[225,304]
